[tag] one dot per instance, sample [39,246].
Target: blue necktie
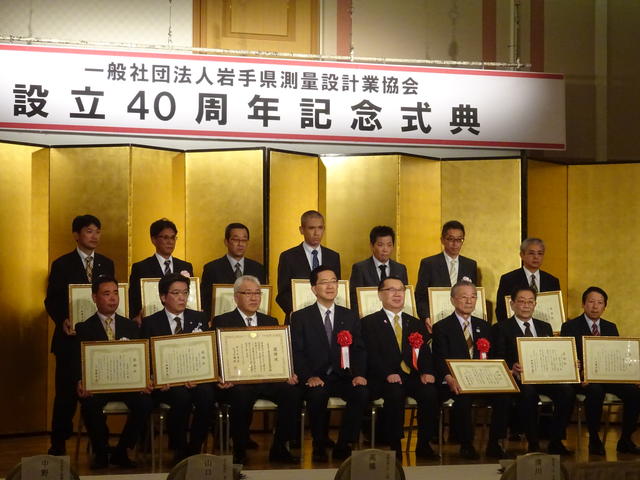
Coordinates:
[327,326]
[314,261]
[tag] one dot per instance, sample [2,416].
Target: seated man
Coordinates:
[504,334]
[105,325]
[286,395]
[590,323]
[319,332]
[456,337]
[391,336]
[174,319]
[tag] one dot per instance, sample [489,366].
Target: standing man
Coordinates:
[79,266]
[504,334]
[230,266]
[446,268]
[297,262]
[174,319]
[105,325]
[164,235]
[400,365]
[369,272]
[242,397]
[590,323]
[530,275]
[456,337]
[322,335]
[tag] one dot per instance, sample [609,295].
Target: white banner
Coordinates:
[269,99]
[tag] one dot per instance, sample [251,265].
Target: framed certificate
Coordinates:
[440,306]
[81,304]
[548,359]
[483,376]
[151,298]
[222,299]
[369,302]
[258,354]
[611,359]
[189,357]
[549,308]
[302,296]
[118,366]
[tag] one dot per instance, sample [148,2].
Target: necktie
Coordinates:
[178,326]
[314,260]
[533,283]
[383,272]
[594,330]
[109,329]
[89,268]
[328,329]
[468,338]
[167,267]
[527,330]
[250,321]
[453,272]
[397,329]
[238,270]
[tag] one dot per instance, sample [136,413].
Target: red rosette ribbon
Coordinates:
[483,346]
[344,340]
[416,341]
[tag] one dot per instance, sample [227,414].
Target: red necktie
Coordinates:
[594,330]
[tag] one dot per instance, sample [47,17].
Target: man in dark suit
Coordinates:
[323,334]
[164,234]
[379,266]
[79,266]
[400,364]
[286,395]
[446,268]
[590,323]
[175,319]
[230,266]
[530,275]
[504,335]
[106,325]
[297,262]
[456,337]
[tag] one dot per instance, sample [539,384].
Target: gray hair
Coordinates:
[239,280]
[528,241]
[461,283]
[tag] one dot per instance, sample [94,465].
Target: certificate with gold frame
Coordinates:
[369,302]
[440,306]
[151,298]
[549,308]
[302,296]
[548,360]
[222,299]
[257,354]
[611,359]
[116,366]
[483,376]
[81,304]
[184,358]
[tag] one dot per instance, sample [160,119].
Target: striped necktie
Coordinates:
[468,338]
[109,329]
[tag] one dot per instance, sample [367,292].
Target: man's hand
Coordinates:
[453,384]
[293,379]
[427,378]
[138,319]
[394,378]
[315,382]
[225,385]
[516,370]
[82,393]
[149,389]
[358,381]
[67,327]
[428,324]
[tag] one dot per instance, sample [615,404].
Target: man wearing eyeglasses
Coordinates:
[400,364]
[164,235]
[176,319]
[242,397]
[504,346]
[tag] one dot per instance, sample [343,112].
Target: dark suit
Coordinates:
[434,272]
[66,270]
[140,404]
[313,356]
[595,392]
[293,263]
[366,274]
[183,400]
[518,279]
[449,343]
[504,346]
[384,358]
[149,268]
[243,397]
[220,271]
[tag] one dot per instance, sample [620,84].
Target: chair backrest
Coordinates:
[16,472]
[179,472]
[344,472]
[511,472]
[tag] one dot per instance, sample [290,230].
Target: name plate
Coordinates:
[118,366]
[611,359]
[483,376]
[548,359]
[185,358]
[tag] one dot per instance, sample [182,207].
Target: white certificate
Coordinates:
[302,296]
[611,359]
[151,298]
[117,366]
[223,301]
[189,357]
[548,359]
[549,308]
[483,376]
[440,306]
[81,304]
[369,302]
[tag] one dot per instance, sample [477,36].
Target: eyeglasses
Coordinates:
[327,282]
[167,238]
[177,293]
[393,290]
[251,294]
[454,239]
